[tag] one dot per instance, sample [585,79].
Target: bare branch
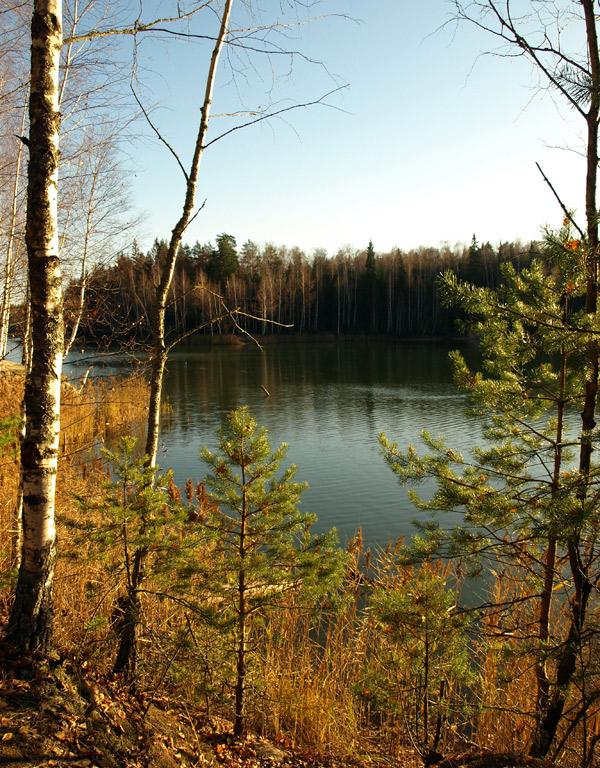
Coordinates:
[279,112]
[566,211]
[197,328]
[136,28]
[159,135]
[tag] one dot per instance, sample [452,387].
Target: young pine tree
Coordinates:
[265,552]
[422,654]
[141,532]
[525,504]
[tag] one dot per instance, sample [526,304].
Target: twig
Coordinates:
[560,202]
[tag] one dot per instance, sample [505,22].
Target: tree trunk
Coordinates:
[30,624]
[76,322]
[567,662]
[242,611]
[127,652]
[589,408]
[128,621]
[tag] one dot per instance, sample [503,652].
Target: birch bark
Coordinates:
[30,624]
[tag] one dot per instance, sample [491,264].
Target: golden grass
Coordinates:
[309,673]
[91,415]
[100,411]
[307,677]
[315,678]
[506,676]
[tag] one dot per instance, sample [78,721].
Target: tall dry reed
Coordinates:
[90,415]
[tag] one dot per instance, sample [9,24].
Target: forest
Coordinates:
[146,624]
[283,291]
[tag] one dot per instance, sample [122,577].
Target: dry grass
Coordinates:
[100,411]
[307,679]
[507,677]
[316,677]
[96,413]
[317,674]
[312,674]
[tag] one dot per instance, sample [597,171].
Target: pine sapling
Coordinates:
[265,552]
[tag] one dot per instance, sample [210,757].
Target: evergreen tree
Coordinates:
[224,260]
[369,290]
[265,552]
[144,532]
[423,654]
[523,502]
[474,271]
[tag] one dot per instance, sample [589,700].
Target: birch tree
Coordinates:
[161,348]
[127,652]
[30,624]
[31,620]
[240,40]
[13,98]
[12,254]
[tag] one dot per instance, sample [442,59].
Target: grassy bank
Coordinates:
[390,671]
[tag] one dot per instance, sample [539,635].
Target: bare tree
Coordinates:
[13,241]
[160,351]
[237,40]
[97,221]
[127,652]
[13,114]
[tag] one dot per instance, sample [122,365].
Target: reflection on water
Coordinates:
[329,403]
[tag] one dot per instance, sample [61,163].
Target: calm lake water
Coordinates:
[329,403]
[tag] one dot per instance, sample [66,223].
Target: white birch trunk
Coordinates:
[30,624]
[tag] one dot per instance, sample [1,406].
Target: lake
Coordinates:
[329,402]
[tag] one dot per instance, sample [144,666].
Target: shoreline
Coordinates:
[271,339]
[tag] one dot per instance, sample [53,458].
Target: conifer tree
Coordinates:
[370,288]
[265,553]
[524,502]
[140,512]
[423,652]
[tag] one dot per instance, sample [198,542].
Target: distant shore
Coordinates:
[270,339]
[273,339]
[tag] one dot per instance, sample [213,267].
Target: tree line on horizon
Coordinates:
[285,291]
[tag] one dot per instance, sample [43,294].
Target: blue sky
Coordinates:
[429,143]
